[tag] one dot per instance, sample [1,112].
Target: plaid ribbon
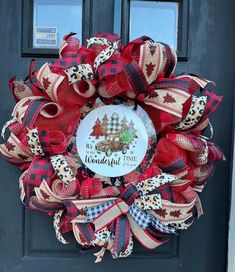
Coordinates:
[67,62]
[82,56]
[157,224]
[39,169]
[118,213]
[141,218]
[93,212]
[146,220]
[113,66]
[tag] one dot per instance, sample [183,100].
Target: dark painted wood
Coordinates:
[27,240]
[102,19]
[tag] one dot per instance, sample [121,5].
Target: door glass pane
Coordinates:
[53,19]
[158,20]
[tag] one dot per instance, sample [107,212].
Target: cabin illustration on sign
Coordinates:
[117,134]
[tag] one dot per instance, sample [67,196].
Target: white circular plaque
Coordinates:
[112,140]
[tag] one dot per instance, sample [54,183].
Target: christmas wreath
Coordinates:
[111,143]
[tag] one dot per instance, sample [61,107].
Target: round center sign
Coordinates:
[112,140]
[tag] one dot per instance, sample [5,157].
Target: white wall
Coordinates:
[231,253]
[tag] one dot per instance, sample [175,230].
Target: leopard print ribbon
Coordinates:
[105,55]
[150,184]
[98,40]
[62,169]
[57,225]
[194,114]
[79,72]
[34,142]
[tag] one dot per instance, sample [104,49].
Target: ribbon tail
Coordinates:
[56,224]
[122,236]
[141,235]
[84,234]
[99,255]
[110,214]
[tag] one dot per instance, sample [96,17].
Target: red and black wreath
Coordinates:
[111,142]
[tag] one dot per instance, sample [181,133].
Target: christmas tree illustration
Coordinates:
[97,129]
[104,124]
[126,137]
[132,129]
[124,125]
[114,125]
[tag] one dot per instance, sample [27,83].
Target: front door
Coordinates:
[27,239]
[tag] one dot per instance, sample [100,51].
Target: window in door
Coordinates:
[165,21]
[45,22]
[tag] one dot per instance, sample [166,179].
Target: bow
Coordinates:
[127,216]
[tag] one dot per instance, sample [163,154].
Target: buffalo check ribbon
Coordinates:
[129,214]
[46,142]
